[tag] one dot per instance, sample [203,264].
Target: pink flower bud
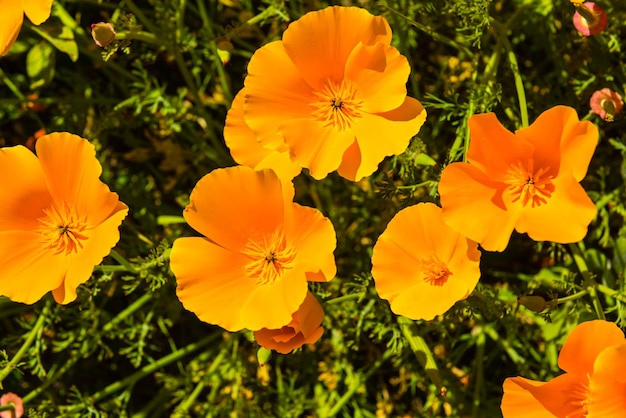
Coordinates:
[606,103]
[589,18]
[102,33]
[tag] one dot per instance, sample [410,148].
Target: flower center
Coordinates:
[578,399]
[528,185]
[270,257]
[337,105]
[434,271]
[63,230]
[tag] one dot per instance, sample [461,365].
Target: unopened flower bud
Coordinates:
[589,18]
[606,103]
[534,303]
[102,33]
[224,48]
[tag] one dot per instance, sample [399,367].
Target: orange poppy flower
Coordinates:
[250,270]
[332,92]
[422,266]
[304,328]
[12,17]
[57,219]
[246,150]
[593,385]
[527,181]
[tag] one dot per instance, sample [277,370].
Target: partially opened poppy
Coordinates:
[606,103]
[594,385]
[305,328]
[527,181]
[15,401]
[12,17]
[421,266]
[250,270]
[589,18]
[57,219]
[246,150]
[332,92]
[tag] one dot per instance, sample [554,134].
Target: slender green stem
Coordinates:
[123,261]
[611,292]
[133,307]
[146,37]
[142,18]
[343,298]
[591,285]
[52,378]
[478,372]
[153,367]
[517,76]
[570,298]
[183,407]
[24,348]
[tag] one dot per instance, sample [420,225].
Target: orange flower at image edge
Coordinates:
[259,250]
[57,219]
[422,266]
[12,16]
[331,95]
[304,328]
[594,385]
[527,181]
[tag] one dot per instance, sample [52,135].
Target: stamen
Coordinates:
[338,105]
[529,186]
[434,271]
[270,258]
[63,230]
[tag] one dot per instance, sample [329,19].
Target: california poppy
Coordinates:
[422,266]
[606,103]
[12,17]
[333,93]
[589,18]
[259,249]
[593,385]
[304,328]
[527,180]
[57,219]
[10,398]
[246,150]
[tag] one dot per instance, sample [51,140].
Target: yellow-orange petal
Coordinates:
[380,73]
[274,93]
[472,204]
[23,191]
[381,135]
[37,11]
[561,141]
[72,173]
[320,42]
[27,269]
[607,385]
[246,150]
[101,239]
[493,148]
[585,343]
[313,235]
[211,281]
[528,398]
[564,218]
[231,205]
[304,328]
[422,266]
[11,20]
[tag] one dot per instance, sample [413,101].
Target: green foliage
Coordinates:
[154,103]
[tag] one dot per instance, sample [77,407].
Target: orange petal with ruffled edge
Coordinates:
[528,398]
[401,262]
[379,136]
[246,150]
[230,205]
[101,239]
[211,281]
[28,270]
[493,148]
[320,42]
[72,173]
[380,74]
[23,197]
[472,204]
[607,385]
[274,93]
[38,11]
[314,237]
[564,218]
[304,328]
[561,141]
[585,343]
[11,20]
